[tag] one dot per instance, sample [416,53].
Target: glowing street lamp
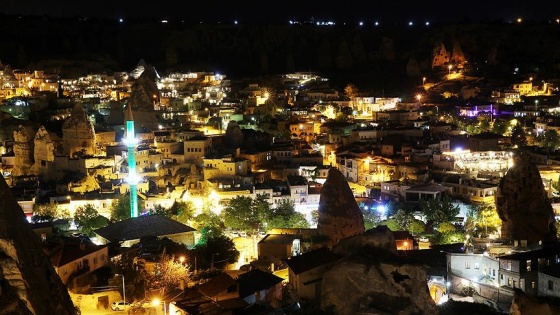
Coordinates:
[449,69]
[156,302]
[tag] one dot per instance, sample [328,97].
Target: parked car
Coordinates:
[119,305]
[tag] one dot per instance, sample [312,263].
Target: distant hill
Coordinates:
[373,58]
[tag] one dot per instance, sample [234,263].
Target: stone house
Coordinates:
[255,286]
[549,281]
[73,259]
[306,272]
[130,231]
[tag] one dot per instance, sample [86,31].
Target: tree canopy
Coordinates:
[439,211]
[88,219]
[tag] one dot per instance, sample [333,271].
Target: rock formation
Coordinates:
[440,56]
[45,149]
[234,135]
[23,151]
[523,205]
[28,281]
[372,279]
[143,98]
[413,68]
[523,304]
[78,135]
[339,214]
[457,55]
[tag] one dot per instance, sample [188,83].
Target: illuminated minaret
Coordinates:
[132,179]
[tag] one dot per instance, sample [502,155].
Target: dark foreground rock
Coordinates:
[28,281]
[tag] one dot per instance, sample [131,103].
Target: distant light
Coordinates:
[121,20]
[458,149]
[519,20]
[410,23]
[164,21]
[361,23]
[291,22]
[381,208]
[427,23]
[376,23]
[235,22]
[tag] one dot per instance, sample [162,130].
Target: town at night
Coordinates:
[374,160]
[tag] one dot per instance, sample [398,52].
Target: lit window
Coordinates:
[467,265]
[476,266]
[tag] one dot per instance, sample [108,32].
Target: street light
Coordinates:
[449,68]
[123,288]
[156,302]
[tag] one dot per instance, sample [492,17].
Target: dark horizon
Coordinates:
[351,11]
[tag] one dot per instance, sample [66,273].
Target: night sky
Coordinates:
[282,11]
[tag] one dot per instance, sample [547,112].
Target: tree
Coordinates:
[48,212]
[402,219]
[371,217]
[446,227]
[391,224]
[485,219]
[183,211]
[120,208]
[500,126]
[550,139]
[416,227]
[351,91]
[285,216]
[168,274]
[239,214]
[314,217]
[293,220]
[219,246]
[160,210]
[88,219]
[518,135]
[438,211]
[209,224]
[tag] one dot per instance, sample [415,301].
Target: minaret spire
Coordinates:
[132,179]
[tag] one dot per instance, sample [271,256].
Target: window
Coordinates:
[493,272]
[509,281]
[550,285]
[532,284]
[467,265]
[476,266]
[529,265]
[508,265]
